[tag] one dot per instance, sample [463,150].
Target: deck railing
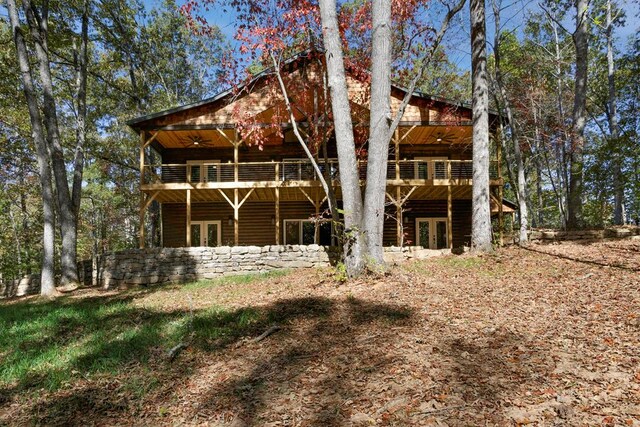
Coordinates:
[302,170]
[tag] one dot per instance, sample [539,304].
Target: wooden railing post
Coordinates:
[188,236]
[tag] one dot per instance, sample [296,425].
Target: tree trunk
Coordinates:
[521,190]
[38,25]
[580,40]
[481,217]
[81,59]
[618,186]
[379,137]
[47,284]
[355,244]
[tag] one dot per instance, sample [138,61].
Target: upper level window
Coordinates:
[203,170]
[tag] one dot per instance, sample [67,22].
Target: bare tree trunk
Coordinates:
[618,186]
[481,216]
[38,25]
[521,192]
[355,242]
[47,284]
[379,136]
[580,40]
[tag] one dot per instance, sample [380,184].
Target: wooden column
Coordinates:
[397,144]
[449,217]
[189,218]
[500,189]
[277,191]
[399,219]
[236,207]
[316,231]
[143,138]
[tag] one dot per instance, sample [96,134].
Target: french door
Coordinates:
[430,168]
[206,233]
[432,233]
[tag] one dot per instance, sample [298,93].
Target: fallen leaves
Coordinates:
[548,336]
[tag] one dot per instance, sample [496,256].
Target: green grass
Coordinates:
[45,344]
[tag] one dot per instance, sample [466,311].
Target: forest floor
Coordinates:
[548,335]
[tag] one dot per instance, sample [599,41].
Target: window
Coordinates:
[203,170]
[299,232]
[303,231]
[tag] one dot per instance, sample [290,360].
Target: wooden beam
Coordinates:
[226,197]
[277,190]
[398,217]
[449,217]
[396,141]
[150,140]
[141,237]
[189,218]
[244,199]
[307,196]
[236,218]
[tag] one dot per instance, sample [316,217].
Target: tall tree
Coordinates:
[481,216]
[579,115]
[504,105]
[47,287]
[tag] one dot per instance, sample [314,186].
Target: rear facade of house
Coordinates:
[229,170]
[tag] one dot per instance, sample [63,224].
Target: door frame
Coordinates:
[432,231]
[430,170]
[203,230]
[203,168]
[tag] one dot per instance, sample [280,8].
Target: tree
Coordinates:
[47,284]
[270,30]
[481,216]
[579,115]
[504,105]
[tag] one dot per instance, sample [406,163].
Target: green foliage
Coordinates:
[45,344]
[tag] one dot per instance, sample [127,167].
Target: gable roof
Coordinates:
[136,123]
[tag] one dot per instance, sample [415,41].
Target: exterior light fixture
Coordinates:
[273,220]
[230,220]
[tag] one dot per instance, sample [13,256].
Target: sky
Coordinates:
[515,12]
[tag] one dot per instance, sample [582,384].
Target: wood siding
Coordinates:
[256,228]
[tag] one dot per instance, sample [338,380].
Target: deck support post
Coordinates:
[277,191]
[500,189]
[449,217]
[143,136]
[399,219]
[189,218]
[449,208]
[236,207]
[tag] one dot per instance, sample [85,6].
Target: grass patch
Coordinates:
[44,344]
[239,279]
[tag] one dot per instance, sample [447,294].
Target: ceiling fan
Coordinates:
[195,141]
[443,137]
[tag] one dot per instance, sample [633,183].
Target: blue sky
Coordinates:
[456,40]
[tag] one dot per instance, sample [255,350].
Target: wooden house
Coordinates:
[217,188]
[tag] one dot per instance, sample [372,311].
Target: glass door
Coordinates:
[206,233]
[431,233]
[430,168]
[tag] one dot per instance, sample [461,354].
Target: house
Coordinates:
[216,187]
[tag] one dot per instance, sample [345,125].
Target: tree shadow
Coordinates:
[331,329]
[120,345]
[581,260]
[487,371]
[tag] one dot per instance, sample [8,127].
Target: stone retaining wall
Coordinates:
[162,265]
[557,235]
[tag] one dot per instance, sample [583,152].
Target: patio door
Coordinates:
[206,233]
[431,233]
[430,168]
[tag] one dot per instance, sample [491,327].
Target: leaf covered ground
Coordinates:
[548,335]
